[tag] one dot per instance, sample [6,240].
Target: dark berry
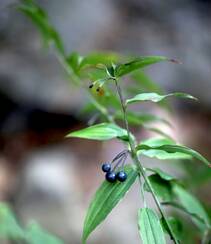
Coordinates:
[106,167]
[121,176]
[90,87]
[110,177]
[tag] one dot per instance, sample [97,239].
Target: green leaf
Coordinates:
[74,60]
[150,229]
[162,155]
[95,59]
[146,148]
[176,227]
[176,149]
[157,142]
[161,187]
[9,227]
[154,97]
[36,235]
[104,131]
[192,205]
[162,174]
[97,74]
[40,19]
[105,199]
[123,69]
[178,206]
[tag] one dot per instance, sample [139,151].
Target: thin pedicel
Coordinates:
[111,174]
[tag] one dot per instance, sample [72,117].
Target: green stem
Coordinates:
[138,163]
[142,191]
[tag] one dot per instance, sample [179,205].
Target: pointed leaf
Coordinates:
[104,131]
[39,17]
[192,205]
[162,155]
[154,97]
[105,199]
[150,229]
[138,63]
[159,154]
[176,149]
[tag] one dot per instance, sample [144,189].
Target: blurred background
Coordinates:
[51,179]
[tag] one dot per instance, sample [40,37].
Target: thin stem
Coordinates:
[121,160]
[120,155]
[205,239]
[142,191]
[138,164]
[119,91]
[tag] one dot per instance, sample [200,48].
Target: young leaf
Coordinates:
[176,149]
[192,205]
[154,97]
[150,229]
[36,235]
[104,131]
[123,69]
[105,199]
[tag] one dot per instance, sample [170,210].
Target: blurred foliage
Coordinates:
[11,229]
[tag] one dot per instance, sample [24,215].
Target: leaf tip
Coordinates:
[172,60]
[68,135]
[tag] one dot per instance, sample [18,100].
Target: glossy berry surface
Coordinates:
[121,176]
[106,167]
[110,177]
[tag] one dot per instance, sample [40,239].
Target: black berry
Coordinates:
[121,176]
[106,167]
[110,177]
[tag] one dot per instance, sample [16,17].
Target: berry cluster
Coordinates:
[111,173]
